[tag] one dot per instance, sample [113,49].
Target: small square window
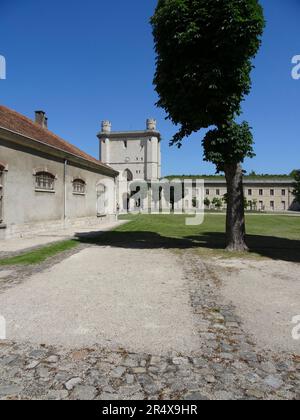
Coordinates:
[44,181]
[79,186]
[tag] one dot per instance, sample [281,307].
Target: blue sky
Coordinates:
[86,61]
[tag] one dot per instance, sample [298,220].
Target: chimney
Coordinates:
[41,119]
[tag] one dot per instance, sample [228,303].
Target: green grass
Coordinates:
[173,226]
[39,255]
[276,237]
[271,236]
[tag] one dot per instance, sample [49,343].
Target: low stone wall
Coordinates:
[29,229]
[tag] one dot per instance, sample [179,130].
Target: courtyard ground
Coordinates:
[156,309]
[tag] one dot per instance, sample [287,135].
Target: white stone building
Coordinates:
[136,155]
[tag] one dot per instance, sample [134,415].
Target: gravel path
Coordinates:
[227,364]
[119,298]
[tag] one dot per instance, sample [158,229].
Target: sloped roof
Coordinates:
[20,124]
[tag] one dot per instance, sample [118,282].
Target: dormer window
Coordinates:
[44,181]
[79,187]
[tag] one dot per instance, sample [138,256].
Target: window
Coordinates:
[283,193]
[128,176]
[261,192]
[272,205]
[272,192]
[79,186]
[218,192]
[283,203]
[261,205]
[1,192]
[44,181]
[207,192]
[249,192]
[125,144]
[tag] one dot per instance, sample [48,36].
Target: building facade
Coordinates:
[136,155]
[47,183]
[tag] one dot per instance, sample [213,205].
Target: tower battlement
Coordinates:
[136,153]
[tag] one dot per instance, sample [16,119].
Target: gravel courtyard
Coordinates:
[113,297]
[119,323]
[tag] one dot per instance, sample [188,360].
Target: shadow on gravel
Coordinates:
[266,246]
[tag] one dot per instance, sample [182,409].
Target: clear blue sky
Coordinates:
[84,61]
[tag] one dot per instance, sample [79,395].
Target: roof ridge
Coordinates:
[42,131]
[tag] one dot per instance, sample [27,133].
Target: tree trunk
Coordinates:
[235,220]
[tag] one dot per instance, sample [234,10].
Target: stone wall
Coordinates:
[27,209]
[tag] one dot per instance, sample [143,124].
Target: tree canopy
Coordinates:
[204,51]
[296,191]
[231,143]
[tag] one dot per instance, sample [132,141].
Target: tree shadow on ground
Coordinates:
[266,246]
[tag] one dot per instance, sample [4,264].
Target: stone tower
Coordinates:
[135,154]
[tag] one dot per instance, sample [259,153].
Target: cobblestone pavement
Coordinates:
[228,366]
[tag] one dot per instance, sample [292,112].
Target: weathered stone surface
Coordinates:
[72,383]
[84,393]
[195,396]
[10,390]
[274,382]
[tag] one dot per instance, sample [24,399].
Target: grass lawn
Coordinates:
[271,236]
[40,255]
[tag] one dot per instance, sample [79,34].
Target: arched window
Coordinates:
[128,175]
[44,181]
[79,186]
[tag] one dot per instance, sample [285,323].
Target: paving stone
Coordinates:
[52,359]
[274,382]
[72,383]
[118,372]
[129,379]
[57,395]
[9,360]
[195,396]
[84,393]
[10,390]
[32,365]
[139,370]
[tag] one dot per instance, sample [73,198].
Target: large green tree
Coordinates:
[296,191]
[204,60]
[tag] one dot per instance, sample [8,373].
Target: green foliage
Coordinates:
[231,143]
[204,51]
[296,191]
[217,202]
[207,202]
